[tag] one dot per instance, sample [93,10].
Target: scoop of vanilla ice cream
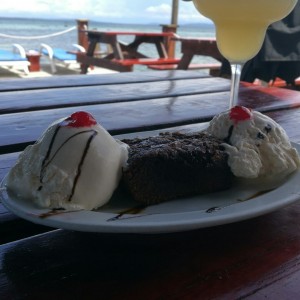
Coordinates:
[71,166]
[256,144]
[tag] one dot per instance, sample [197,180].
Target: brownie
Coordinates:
[174,165]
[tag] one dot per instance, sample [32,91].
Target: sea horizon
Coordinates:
[184,24]
[30,33]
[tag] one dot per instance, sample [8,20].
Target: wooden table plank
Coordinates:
[136,116]
[11,102]
[116,118]
[230,261]
[102,79]
[282,283]
[6,162]
[29,100]
[13,228]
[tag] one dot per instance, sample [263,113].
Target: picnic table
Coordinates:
[256,258]
[125,56]
[191,47]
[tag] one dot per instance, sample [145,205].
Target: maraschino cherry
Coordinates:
[240,113]
[80,119]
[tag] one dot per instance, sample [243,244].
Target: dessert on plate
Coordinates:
[256,145]
[238,142]
[76,164]
[174,165]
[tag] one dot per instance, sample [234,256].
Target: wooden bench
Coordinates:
[148,61]
[278,82]
[281,83]
[196,46]
[124,56]
[213,68]
[125,65]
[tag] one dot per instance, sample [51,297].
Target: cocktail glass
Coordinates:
[240,29]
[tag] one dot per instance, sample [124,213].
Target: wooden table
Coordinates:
[197,46]
[191,47]
[254,259]
[125,56]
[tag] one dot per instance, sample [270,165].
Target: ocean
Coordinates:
[30,33]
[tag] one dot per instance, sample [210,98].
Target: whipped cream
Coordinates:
[257,146]
[76,164]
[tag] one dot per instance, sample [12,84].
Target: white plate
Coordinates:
[246,199]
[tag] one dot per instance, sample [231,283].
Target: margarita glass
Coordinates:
[240,29]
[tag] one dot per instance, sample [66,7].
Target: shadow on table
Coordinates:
[113,265]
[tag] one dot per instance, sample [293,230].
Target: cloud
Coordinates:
[160,9]
[24,6]
[54,7]
[135,11]
[186,12]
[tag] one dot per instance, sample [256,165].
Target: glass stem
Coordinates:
[236,70]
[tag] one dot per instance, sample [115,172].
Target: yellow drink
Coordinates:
[241,24]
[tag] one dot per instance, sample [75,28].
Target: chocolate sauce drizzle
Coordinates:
[259,193]
[213,209]
[132,211]
[86,149]
[48,158]
[268,128]
[55,212]
[230,130]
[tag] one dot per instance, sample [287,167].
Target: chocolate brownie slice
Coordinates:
[174,165]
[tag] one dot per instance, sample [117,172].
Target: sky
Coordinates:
[122,11]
